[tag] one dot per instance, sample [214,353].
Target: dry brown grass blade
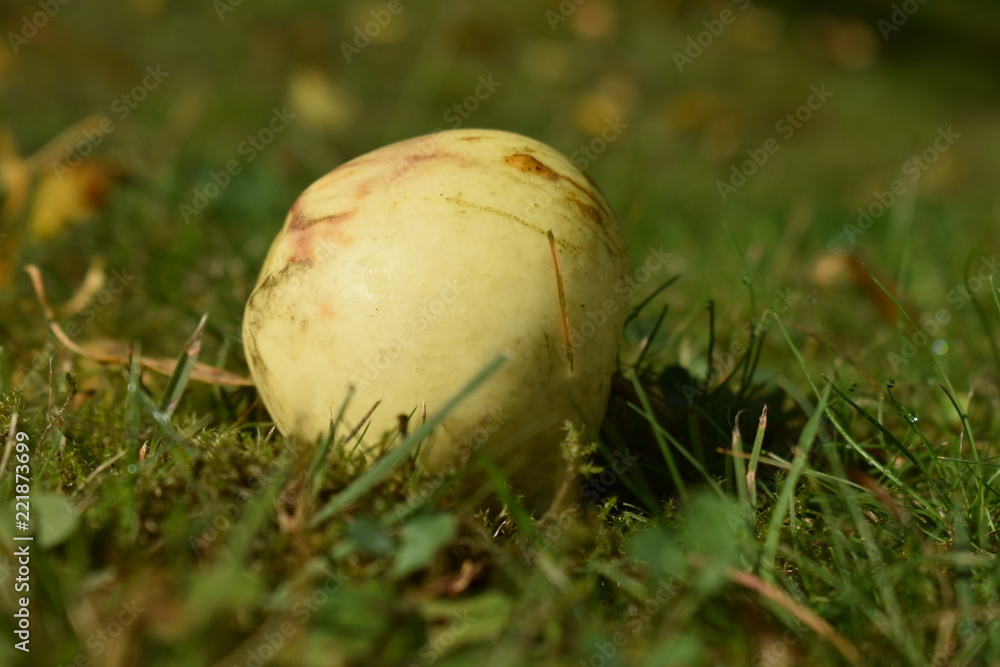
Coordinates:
[807,616]
[93,281]
[119,354]
[897,510]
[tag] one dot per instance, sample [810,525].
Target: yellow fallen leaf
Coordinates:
[66,196]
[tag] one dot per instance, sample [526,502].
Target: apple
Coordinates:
[404,271]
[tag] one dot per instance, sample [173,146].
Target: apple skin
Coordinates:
[404,271]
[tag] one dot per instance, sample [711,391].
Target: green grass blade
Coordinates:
[638,309]
[182,371]
[758,444]
[781,508]
[314,475]
[843,432]
[910,456]
[966,426]
[651,336]
[647,412]
[985,323]
[395,457]
[663,435]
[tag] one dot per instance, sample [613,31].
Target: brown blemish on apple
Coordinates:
[421,157]
[299,222]
[589,193]
[407,163]
[404,164]
[530,165]
[417,158]
[259,367]
[336,217]
[587,211]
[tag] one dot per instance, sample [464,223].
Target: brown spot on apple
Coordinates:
[530,165]
[318,242]
[591,213]
[300,222]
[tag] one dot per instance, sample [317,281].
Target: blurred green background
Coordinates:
[118,122]
[564,73]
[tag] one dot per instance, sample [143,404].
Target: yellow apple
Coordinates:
[404,271]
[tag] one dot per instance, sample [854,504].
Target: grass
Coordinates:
[791,472]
